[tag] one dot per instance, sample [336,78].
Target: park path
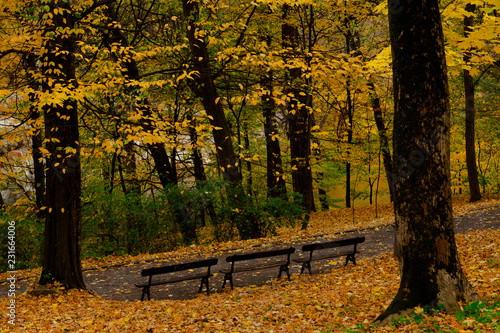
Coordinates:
[117,283]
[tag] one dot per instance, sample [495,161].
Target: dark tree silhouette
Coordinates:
[431,273]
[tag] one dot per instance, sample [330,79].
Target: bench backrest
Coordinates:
[333,244]
[263,254]
[179,267]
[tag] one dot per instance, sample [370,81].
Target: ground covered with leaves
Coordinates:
[340,299]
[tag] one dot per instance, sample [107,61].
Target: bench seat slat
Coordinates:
[254,267]
[174,280]
[179,267]
[325,256]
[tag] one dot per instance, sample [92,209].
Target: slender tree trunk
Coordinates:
[199,170]
[431,273]
[352,44]
[299,119]
[350,117]
[383,138]
[36,141]
[130,70]
[164,165]
[248,163]
[203,86]
[61,259]
[323,197]
[470,112]
[276,186]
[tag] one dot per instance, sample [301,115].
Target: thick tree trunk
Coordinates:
[61,259]
[431,273]
[299,119]
[470,111]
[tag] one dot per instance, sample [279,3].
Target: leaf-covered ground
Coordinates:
[346,300]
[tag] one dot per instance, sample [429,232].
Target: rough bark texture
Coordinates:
[61,260]
[431,273]
[299,119]
[470,113]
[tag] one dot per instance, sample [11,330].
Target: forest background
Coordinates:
[201,122]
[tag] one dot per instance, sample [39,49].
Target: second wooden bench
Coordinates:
[282,261]
[316,254]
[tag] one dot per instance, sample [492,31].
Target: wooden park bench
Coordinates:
[192,272]
[316,253]
[276,259]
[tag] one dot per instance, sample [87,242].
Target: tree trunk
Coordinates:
[276,186]
[322,194]
[352,41]
[199,170]
[383,138]
[36,140]
[130,70]
[248,162]
[61,259]
[204,87]
[299,119]
[431,273]
[470,141]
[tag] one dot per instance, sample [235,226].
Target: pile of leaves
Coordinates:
[348,299]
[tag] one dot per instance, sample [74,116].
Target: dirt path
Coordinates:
[117,283]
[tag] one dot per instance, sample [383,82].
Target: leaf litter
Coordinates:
[347,299]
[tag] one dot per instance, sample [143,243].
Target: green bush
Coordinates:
[28,238]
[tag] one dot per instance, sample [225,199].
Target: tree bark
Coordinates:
[246,139]
[130,70]
[383,138]
[431,273]
[36,140]
[199,170]
[61,259]
[203,87]
[470,112]
[276,186]
[299,119]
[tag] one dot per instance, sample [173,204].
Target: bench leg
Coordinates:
[306,264]
[228,277]
[204,281]
[284,268]
[350,257]
[145,291]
